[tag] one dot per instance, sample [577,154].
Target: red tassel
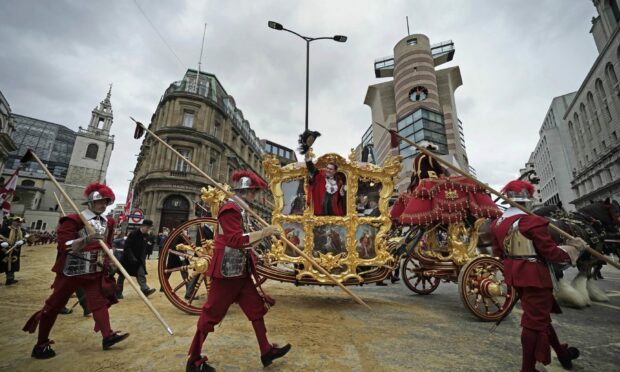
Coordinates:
[32,323]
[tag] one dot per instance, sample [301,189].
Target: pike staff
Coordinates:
[394,134]
[141,128]
[30,155]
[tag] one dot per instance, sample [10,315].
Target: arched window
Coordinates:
[601,95]
[586,120]
[176,202]
[29,183]
[92,150]
[593,112]
[579,129]
[611,74]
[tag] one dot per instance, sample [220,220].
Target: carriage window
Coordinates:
[365,241]
[294,232]
[294,197]
[330,239]
[367,198]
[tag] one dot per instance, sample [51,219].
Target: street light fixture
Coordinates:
[339,38]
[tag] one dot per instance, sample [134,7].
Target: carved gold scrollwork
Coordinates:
[456,243]
[347,264]
[214,197]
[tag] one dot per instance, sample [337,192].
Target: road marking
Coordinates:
[613,293]
[606,305]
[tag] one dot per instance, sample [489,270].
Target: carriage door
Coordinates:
[175,211]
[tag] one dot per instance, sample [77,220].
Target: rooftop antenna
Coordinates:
[202,46]
[407,18]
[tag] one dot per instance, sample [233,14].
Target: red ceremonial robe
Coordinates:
[533,282]
[317,194]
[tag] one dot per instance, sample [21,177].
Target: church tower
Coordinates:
[92,150]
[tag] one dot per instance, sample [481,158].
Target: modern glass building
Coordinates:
[418,102]
[53,144]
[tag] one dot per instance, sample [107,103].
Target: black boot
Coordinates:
[566,360]
[149,291]
[112,339]
[274,353]
[11,281]
[65,310]
[202,367]
[44,351]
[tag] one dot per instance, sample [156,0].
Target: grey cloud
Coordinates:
[58,57]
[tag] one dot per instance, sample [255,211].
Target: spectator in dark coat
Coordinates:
[134,258]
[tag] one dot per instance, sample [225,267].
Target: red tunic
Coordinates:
[69,228]
[230,223]
[522,273]
[317,193]
[532,280]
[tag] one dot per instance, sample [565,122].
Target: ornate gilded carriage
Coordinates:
[353,248]
[358,248]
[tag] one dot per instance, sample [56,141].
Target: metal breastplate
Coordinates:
[516,244]
[235,261]
[82,263]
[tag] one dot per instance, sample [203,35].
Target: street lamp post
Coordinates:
[338,38]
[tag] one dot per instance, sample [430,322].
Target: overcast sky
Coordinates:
[58,57]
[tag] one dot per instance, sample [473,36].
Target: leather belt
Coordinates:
[526,258]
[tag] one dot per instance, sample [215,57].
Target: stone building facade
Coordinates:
[66,153]
[200,120]
[552,159]
[284,154]
[593,116]
[92,150]
[7,145]
[418,102]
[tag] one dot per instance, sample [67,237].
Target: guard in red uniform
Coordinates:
[526,247]
[80,263]
[231,270]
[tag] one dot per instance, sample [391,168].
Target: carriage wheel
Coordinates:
[183,264]
[413,276]
[483,289]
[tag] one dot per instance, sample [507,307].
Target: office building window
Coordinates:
[188,119]
[180,165]
[412,41]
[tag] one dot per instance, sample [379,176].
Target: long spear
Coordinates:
[30,155]
[249,210]
[493,191]
[62,210]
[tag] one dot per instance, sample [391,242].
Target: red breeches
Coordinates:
[538,334]
[537,304]
[222,293]
[64,286]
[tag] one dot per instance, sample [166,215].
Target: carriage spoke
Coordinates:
[187,241]
[180,268]
[184,282]
[180,254]
[196,287]
[200,234]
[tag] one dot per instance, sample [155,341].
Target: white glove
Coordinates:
[19,242]
[4,245]
[578,243]
[270,230]
[572,251]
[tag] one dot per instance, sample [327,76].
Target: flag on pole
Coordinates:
[125,215]
[7,192]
